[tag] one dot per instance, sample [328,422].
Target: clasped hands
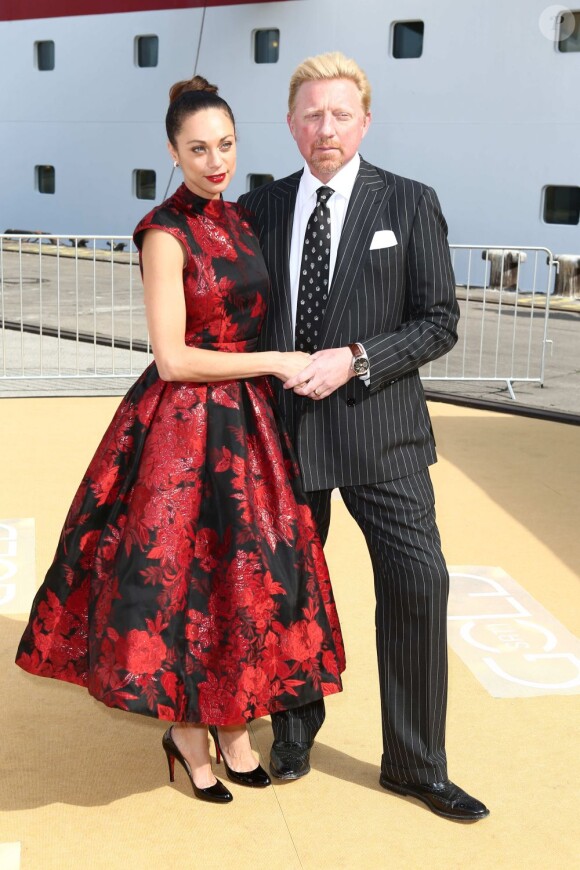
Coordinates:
[327,370]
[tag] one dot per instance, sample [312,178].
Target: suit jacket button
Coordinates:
[351,401]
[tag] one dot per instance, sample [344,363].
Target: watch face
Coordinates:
[360,366]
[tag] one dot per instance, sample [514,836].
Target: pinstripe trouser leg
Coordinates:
[302,723]
[412,586]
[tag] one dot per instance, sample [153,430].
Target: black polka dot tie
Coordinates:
[314,274]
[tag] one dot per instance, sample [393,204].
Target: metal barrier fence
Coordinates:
[72,307]
[504,296]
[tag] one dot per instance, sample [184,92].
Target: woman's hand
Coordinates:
[291,364]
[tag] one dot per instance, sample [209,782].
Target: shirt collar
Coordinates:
[342,183]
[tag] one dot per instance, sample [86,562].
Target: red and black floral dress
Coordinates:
[189,582]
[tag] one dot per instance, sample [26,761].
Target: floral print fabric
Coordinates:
[189,582]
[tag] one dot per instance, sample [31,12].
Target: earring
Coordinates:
[175,164]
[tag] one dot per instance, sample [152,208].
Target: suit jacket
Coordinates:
[399,301]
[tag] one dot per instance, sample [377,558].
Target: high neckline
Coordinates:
[199,204]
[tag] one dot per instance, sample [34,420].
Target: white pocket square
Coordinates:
[383,239]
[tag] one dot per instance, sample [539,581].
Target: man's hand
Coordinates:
[328,370]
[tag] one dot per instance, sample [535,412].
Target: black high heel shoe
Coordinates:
[217,794]
[256,778]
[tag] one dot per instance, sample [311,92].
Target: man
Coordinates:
[361,278]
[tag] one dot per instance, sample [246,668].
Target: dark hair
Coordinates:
[187,98]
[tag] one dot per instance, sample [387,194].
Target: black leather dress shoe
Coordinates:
[443,798]
[289,760]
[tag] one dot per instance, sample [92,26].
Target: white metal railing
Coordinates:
[70,307]
[504,296]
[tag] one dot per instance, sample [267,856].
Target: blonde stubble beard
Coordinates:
[327,165]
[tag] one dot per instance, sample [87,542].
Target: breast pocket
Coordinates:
[383,239]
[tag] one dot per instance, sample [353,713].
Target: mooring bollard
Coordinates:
[568,275]
[504,267]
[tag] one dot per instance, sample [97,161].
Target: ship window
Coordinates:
[408,38]
[266,46]
[44,179]
[569,31]
[44,54]
[147,50]
[144,181]
[562,205]
[255,179]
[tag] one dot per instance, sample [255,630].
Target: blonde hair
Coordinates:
[333,65]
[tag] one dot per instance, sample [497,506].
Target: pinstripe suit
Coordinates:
[375,442]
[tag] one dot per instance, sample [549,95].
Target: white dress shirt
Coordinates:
[342,184]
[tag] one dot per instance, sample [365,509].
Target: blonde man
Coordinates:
[361,278]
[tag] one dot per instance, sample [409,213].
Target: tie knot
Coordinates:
[323,194]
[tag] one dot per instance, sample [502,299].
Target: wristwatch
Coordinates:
[360,363]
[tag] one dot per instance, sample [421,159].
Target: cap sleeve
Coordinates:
[165,219]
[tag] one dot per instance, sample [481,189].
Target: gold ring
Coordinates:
[316,392]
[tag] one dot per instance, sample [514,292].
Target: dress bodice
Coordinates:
[225,279]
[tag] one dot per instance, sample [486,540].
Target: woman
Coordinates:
[189,583]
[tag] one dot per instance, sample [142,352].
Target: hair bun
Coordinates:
[197,83]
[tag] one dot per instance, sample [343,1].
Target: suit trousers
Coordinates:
[397,518]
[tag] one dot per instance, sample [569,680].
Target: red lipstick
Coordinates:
[216,179]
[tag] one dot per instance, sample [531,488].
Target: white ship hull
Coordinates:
[487,115]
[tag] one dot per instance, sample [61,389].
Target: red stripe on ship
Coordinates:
[18,10]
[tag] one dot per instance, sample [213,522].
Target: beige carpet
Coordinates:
[86,787]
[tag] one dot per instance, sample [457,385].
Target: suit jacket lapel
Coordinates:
[279,238]
[368,199]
